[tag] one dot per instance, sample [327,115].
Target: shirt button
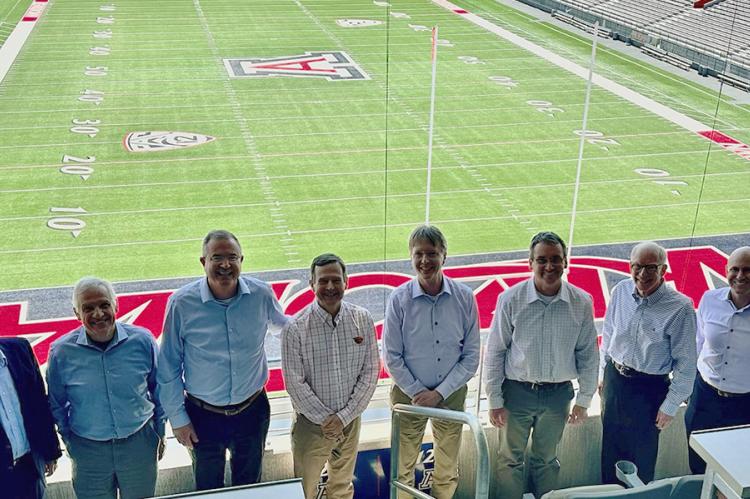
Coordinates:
[437,341]
[723,379]
[731,330]
[727,348]
[436,323]
[438,359]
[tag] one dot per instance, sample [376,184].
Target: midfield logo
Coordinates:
[331,65]
[163,141]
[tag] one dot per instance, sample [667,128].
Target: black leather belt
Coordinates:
[226,410]
[541,386]
[722,393]
[23,460]
[629,372]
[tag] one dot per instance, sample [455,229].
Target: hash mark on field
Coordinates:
[278,219]
[452,151]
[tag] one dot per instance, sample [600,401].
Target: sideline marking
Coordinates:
[15,42]
[631,96]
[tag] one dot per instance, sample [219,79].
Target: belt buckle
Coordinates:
[722,393]
[231,412]
[535,386]
[623,370]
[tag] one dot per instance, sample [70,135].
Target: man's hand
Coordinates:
[498,417]
[427,398]
[50,467]
[662,420]
[161,448]
[186,435]
[332,427]
[577,415]
[600,388]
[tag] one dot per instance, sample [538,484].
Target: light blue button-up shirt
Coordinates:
[723,342]
[103,395]
[542,340]
[215,350]
[431,342]
[10,411]
[653,335]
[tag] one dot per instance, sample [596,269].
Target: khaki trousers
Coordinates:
[447,443]
[311,450]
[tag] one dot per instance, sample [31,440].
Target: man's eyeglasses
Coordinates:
[646,269]
[223,258]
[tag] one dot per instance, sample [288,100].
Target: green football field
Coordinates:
[307,164]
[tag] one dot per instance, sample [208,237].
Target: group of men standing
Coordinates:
[110,401]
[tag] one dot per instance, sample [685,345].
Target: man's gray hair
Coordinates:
[660,252]
[220,234]
[428,233]
[88,283]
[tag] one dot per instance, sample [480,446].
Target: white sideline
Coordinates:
[639,100]
[14,43]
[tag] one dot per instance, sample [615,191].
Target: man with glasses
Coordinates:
[212,365]
[649,333]
[721,394]
[431,350]
[542,337]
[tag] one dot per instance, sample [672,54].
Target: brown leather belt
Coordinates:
[629,372]
[722,393]
[226,410]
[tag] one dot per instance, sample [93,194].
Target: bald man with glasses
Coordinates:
[649,333]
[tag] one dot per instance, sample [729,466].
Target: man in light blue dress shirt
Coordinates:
[431,350]
[103,395]
[542,337]
[648,334]
[721,393]
[213,368]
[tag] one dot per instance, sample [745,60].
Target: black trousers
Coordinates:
[708,410]
[21,481]
[629,408]
[244,435]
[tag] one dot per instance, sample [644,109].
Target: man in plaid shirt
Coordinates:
[330,364]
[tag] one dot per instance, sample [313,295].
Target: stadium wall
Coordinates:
[579,453]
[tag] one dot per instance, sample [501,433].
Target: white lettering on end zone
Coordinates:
[357,23]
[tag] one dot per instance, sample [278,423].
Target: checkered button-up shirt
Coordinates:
[539,342]
[653,335]
[330,365]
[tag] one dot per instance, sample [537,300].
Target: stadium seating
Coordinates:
[716,36]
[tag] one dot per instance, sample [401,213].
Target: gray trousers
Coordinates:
[543,411]
[128,464]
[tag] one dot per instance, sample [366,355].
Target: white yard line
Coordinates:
[141,244]
[631,96]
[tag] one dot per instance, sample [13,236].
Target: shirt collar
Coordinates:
[324,316]
[207,295]
[416,289]
[727,297]
[653,297]
[120,336]
[532,294]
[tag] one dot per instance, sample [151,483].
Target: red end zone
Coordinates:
[731,144]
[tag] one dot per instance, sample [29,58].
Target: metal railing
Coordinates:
[482,481]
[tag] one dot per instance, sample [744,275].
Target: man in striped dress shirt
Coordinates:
[542,337]
[649,333]
[330,364]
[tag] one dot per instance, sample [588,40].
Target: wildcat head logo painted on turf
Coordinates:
[357,23]
[163,141]
[331,65]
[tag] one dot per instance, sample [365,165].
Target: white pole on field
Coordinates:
[583,134]
[432,122]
